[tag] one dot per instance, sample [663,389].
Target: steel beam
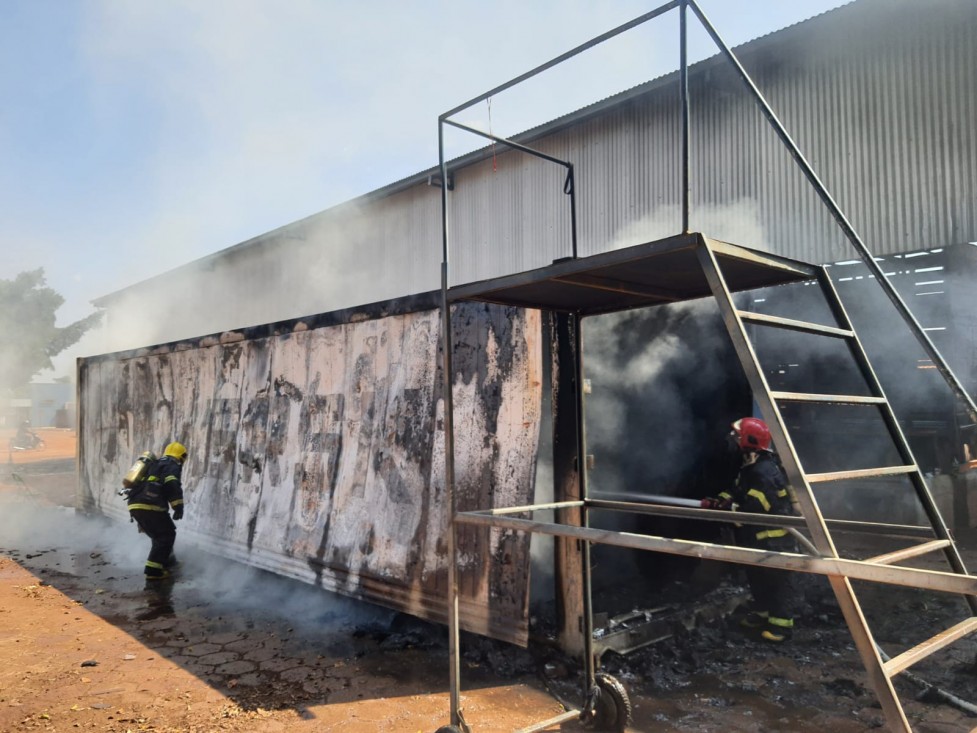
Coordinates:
[837,567]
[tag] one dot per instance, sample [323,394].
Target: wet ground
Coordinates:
[713,676]
[250,648]
[309,650]
[259,652]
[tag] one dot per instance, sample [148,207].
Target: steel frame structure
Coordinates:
[579,273]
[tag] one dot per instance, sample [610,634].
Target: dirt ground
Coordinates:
[85,644]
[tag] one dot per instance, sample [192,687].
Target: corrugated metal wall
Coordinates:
[880,96]
[316,450]
[355,254]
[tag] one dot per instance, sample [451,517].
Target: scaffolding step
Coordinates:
[792,325]
[891,558]
[919,652]
[832,399]
[860,473]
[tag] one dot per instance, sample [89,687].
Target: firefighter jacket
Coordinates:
[761,488]
[162,487]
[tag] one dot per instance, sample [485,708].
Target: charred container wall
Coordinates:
[316,448]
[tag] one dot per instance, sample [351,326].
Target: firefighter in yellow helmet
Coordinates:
[149,504]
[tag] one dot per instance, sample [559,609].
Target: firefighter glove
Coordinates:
[713,503]
[178,512]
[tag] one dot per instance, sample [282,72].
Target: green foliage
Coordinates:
[28,331]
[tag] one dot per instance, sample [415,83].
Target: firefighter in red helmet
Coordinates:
[761,487]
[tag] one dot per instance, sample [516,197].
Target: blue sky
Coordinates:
[137,136]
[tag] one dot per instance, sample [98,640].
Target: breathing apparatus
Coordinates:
[137,473]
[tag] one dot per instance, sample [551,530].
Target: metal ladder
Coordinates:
[881,671]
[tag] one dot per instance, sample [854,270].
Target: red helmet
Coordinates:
[751,434]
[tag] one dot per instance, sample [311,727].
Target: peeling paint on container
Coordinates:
[316,449]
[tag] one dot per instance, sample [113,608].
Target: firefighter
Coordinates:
[762,488]
[149,505]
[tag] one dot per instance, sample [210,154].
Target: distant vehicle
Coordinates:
[26,439]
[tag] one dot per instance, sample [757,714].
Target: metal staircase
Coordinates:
[683,267]
[880,670]
[687,267]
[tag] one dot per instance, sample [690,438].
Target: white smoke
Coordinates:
[331,261]
[30,525]
[623,369]
[737,222]
[77,544]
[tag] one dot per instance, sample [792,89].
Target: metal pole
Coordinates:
[570,188]
[510,143]
[454,657]
[564,56]
[928,346]
[588,609]
[684,100]
[840,568]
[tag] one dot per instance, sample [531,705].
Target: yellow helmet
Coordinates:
[177,451]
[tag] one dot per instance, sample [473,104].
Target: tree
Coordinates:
[28,332]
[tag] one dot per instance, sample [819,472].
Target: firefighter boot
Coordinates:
[754,620]
[778,630]
[156,571]
[172,564]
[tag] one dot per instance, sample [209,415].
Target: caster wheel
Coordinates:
[613,712]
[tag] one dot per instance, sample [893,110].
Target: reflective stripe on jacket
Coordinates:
[761,488]
[162,488]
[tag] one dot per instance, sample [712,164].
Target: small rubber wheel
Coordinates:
[613,711]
